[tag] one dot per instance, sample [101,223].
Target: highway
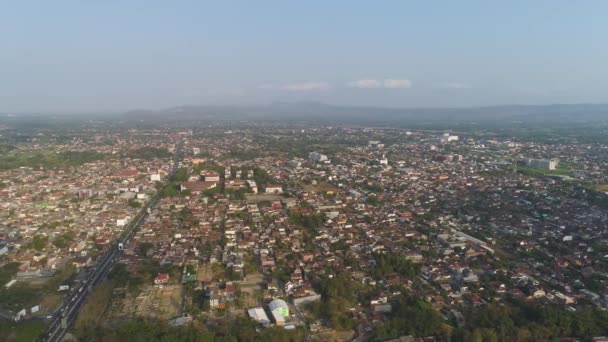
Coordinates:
[66,314]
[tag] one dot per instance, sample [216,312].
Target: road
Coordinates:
[65,316]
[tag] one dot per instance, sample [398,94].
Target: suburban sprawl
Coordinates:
[262,231]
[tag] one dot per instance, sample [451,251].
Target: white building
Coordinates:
[317,157]
[212,177]
[274,189]
[259,315]
[253,186]
[383,160]
[446,138]
[279,310]
[549,164]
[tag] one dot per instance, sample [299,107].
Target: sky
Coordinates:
[118,55]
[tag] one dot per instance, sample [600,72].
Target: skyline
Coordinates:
[113,57]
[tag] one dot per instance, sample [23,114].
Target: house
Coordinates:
[274,189]
[161,278]
[127,173]
[212,177]
[81,261]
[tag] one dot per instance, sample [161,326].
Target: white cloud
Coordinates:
[533,91]
[397,84]
[375,84]
[307,86]
[365,84]
[266,86]
[456,85]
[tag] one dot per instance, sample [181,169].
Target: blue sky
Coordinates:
[86,56]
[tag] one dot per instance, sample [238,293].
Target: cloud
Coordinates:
[365,84]
[456,85]
[533,91]
[375,84]
[397,84]
[306,86]
[226,91]
[266,86]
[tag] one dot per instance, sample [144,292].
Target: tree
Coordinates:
[170,190]
[134,203]
[39,242]
[63,240]
[180,175]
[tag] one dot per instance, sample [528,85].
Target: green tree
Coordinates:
[39,242]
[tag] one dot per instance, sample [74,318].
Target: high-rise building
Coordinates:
[316,156]
[549,164]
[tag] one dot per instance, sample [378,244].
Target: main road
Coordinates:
[66,315]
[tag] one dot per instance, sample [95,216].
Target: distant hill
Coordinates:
[519,114]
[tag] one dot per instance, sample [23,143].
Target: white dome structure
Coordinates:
[280,306]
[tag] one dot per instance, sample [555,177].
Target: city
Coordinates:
[315,232]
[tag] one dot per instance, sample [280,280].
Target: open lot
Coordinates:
[602,187]
[204,273]
[153,302]
[321,187]
[263,197]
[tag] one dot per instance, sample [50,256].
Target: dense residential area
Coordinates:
[307,232]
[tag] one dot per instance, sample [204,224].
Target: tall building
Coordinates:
[446,138]
[316,156]
[549,164]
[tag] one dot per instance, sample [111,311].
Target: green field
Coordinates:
[21,332]
[560,171]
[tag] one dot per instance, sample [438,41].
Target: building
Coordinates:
[161,278]
[196,187]
[294,164]
[548,164]
[253,186]
[259,315]
[383,160]
[446,138]
[279,310]
[212,177]
[274,189]
[317,157]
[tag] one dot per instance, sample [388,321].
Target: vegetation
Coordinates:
[244,154]
[389,262]
[21,332]
[39,242]
[410,316]
[239,329]
[261,178]
[337,295]
[63,240]
[518,321]
[48,159]
[180,175]
[170,190]
[310,221]
[8,271]
[97,302]
[535,171]
[134,203]
[100,298]
[148,153]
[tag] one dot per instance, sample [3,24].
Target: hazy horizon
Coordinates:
[115,56]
